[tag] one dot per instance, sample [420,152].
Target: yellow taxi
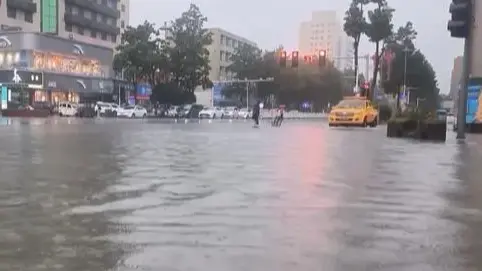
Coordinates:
[353,111]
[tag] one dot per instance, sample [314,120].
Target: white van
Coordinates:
[67,109]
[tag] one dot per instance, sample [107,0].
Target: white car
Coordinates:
[104,107]
[67,109]
[231,112]
[211,113]
[245,113]
[132,111]
[173,111]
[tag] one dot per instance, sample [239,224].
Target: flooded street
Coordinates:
[87,195]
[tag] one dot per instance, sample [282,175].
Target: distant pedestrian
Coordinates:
[256,113]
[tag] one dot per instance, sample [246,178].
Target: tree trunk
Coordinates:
[375,70]
[355,55]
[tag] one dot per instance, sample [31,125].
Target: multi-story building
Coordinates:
[220,51]
[456,76]
[68,43]
[97,22]
[325,32]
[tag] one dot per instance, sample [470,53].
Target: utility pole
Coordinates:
[461,25]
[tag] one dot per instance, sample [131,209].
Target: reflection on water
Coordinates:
[126,195]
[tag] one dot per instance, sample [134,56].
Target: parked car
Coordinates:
[173,111]
[245,113]
[184,110]
[132,111]
[211,113]
[106,109]
[67,109]
[231,112]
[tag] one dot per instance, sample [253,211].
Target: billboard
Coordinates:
[218,96]
[143,91]
[474,103]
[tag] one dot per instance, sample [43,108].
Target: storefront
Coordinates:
[73,71]
[62,88]
[20,85]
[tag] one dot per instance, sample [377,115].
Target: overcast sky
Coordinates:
[270,23]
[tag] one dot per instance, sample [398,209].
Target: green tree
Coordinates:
[246,62]
[140,54]
[379,29]
[355,25]
[420,76]
[187,40]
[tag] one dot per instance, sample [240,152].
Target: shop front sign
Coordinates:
[22,78]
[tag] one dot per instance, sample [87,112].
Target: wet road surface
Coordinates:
[85,195]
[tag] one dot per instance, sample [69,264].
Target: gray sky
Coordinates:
[270,23]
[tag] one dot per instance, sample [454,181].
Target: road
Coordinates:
[126,195]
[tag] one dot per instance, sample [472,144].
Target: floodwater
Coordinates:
[92,195]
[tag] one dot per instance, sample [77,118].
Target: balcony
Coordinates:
[95,7]
[23,5]
[79,20]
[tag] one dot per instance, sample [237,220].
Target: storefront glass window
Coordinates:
[58,97]
[40,96]
[49,16]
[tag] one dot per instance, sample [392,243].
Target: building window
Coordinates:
[222,39]
[93,34]
[29,17]
[104,36]
[104,2]
[123,24]
[11,13]
[80,30]
[113,38]
[68,27]
[49,16]
[123,8]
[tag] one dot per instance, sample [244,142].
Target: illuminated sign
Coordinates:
[23,78]
[58,63]
[5,42]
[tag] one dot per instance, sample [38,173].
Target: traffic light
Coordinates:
[282,59]
[322,58]
[295,59]
[461,22]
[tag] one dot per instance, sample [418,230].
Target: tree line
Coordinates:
[174,59]
[373,19]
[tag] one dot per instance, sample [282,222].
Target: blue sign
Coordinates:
[144,90]
[218,96]
[474,100]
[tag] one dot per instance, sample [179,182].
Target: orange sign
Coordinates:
[66,64]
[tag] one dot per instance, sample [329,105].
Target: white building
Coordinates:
[98,22]
[220,51]
[325,32]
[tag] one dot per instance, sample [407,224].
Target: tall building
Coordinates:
[325,32]
[61,50]
[456,77]
[220,51]
[97,22]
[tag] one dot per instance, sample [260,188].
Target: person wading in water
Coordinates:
[256,112]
